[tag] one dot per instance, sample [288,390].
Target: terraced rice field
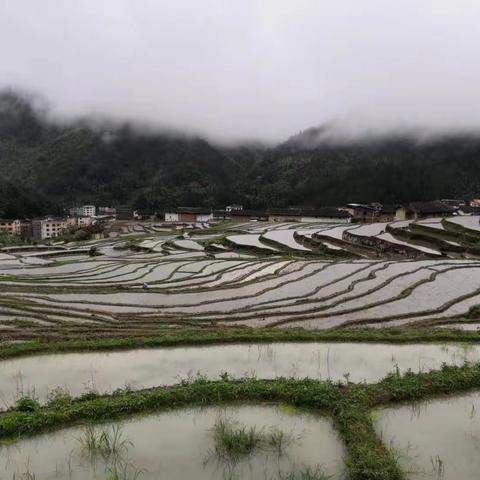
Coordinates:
[270,279]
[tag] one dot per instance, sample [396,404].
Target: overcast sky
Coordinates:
[236,69]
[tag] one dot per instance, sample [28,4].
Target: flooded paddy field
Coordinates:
[131,293]
[181,444]
[437,439]
[77,373]
[255,275]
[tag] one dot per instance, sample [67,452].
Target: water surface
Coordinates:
[141,368]
[436,440]
[179,445]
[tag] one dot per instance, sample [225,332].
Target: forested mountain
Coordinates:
[45,167]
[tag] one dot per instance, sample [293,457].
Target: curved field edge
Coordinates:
[349,405]
[237,335]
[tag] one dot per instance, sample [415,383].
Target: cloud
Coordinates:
[260,69]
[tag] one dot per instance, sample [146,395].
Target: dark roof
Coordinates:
[326,212]
[194,210]
[248,213]
[389,208]
[470,209]
[431,207]
[361,205]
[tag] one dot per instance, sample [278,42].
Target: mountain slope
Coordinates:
[45,167]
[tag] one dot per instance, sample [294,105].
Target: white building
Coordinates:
[171,217]
[88,210]
[231,208]
[49,227]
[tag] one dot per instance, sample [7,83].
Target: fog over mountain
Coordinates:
[260,70]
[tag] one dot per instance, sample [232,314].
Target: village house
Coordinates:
[469,210]
[49,227]
[22,228]
[375,212]
[243,216]
[10,227]
[109,211]
[421,210]
[321,215]
[361,212]
[83,211]
[123,212]
[391,213]
[231,208]
[80,221]
[189,214]
[453,202]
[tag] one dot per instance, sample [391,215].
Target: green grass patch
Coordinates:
[216,336]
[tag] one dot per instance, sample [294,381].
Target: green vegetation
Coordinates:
[7,240]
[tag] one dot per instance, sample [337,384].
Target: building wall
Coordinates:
[26,229]
[401,214]
[187,217]
[79,221]
[284,218]
[364,214]
[171,217]
[324,220]
[204,217]
[48,228]
[11,227]
[422,216]
[385,217]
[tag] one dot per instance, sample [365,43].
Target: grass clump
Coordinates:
[307,473]
[27,404]
[105,443]
[278,440]
[123,472]
[233,440]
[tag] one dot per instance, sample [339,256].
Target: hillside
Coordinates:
[45,167]
[109,165]
[389,169]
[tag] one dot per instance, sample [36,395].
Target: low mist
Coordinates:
[251,70]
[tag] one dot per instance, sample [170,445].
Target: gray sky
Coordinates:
[236,69]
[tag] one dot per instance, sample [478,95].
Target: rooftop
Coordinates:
[431,207]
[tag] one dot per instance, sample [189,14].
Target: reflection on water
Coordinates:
[78,372]
[177,445]
[438,439]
